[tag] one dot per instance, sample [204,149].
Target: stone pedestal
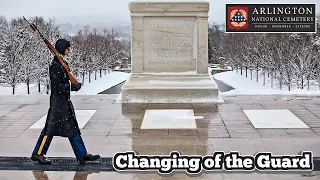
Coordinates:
[170,53]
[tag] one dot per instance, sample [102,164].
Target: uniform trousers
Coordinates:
[76,142]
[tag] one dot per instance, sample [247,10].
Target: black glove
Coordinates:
[76,87]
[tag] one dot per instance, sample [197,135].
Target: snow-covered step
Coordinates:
[170,89]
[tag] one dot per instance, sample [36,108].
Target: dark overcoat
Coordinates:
[61,118]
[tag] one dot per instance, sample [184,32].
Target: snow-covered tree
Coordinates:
[290,59]
[4,32]
[318,30]
[51,32]
[94,51]
[215,38]
[316,53]
[24,57]
[15,53]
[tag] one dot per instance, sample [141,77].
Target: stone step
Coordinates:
[170,89]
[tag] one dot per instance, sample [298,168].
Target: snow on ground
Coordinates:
[96,86]
[101,84]
[242,85]
[21,89]
[246,86]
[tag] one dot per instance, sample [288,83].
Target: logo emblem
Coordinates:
[238,17]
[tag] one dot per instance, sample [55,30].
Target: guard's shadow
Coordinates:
[79,175]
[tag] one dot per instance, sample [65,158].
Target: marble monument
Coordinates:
[169,53]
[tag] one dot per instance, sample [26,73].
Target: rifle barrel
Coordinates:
[72,78]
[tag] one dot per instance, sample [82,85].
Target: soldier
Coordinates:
[61,118]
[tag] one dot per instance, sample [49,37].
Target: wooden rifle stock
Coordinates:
[72,78]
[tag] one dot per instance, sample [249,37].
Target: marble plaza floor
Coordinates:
[108,128]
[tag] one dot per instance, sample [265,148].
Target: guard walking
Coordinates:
[61,119]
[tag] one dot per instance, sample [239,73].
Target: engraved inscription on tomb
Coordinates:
[169,44]
[168,26]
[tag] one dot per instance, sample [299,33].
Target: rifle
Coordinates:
[72,78]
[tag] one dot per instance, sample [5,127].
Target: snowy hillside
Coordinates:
[96,86]
[246,86]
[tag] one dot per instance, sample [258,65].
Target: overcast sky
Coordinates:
[108,11]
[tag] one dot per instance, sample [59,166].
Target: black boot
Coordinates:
[89,157]
[41,159]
